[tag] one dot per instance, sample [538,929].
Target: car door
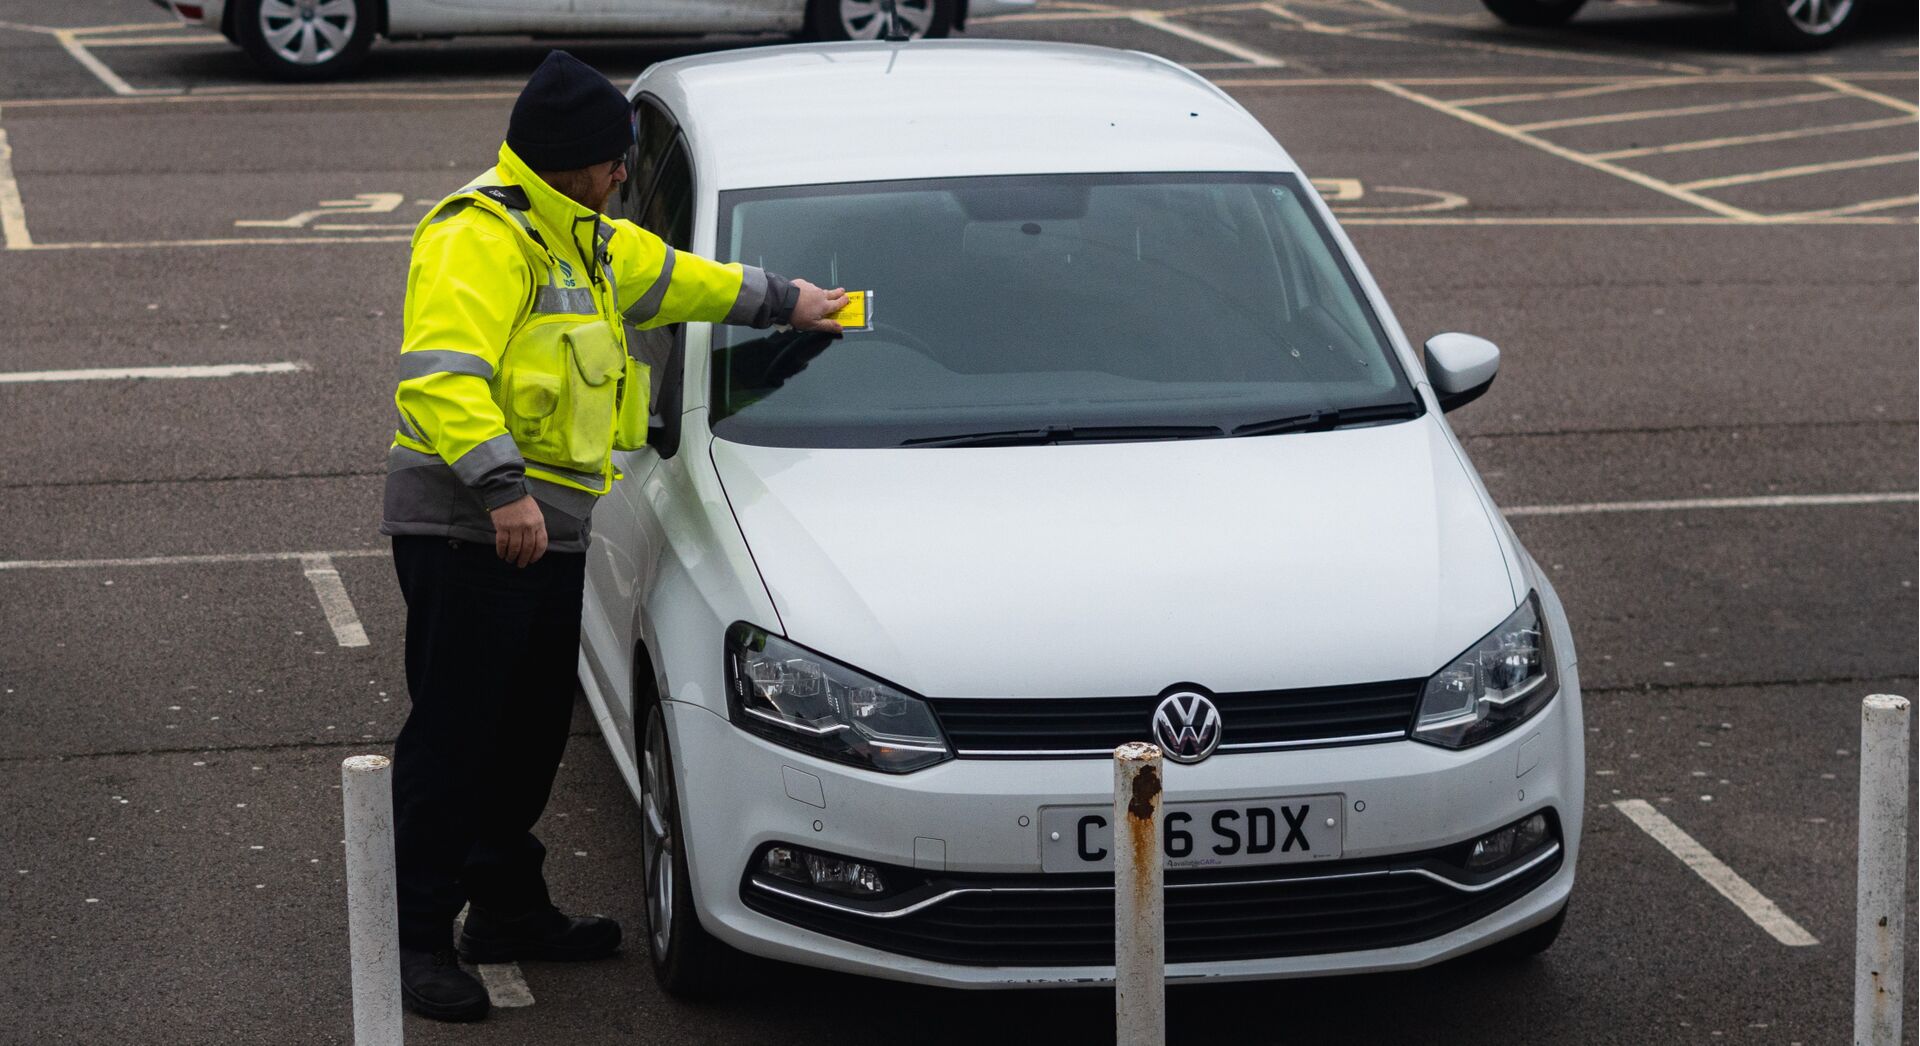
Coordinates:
[627,537]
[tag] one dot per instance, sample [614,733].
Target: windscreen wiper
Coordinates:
[1331,418]
[1067,434]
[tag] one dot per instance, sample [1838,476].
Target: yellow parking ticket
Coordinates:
[857,313]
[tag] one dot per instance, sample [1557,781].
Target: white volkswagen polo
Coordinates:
[1126,445]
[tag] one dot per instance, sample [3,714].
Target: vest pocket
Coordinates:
[630,431]
[559,389]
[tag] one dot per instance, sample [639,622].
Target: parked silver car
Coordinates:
[320,39]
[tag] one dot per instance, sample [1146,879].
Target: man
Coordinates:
[514,389]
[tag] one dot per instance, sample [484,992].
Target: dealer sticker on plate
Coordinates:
[1202,835]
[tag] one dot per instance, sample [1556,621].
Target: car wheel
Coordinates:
[1534,12]
[686,959]
[866,19]
[1797,25]
[1529,943]
[305,39]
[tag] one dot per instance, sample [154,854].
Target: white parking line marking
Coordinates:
[232,241]
[207,559]
[1155,20]
[1684,110]
[334,601]
[13,213]
[217,370]
[1555,149]
[1690,504]
[1763,912]
[159,41]
[1755,139]
[506,985]
[1872,96]
[1800,171]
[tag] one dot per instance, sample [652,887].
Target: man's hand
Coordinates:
[812,311]
[519,531]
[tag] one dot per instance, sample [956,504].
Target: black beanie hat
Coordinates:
[568,117]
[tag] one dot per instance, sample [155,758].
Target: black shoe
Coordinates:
[432,984]
[545,933]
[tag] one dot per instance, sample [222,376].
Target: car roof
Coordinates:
[811,114]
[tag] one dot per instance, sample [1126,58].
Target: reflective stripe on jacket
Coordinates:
[506,262]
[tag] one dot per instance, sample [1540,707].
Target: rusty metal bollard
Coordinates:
[1139,879]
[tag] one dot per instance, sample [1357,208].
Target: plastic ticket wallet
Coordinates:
[857,313]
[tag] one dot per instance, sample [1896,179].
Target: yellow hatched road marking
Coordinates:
[1555,149]
[1309,25]
[1754,139]
[13,214]
[1685,110]
[1799,171]
[1853,209]
[1872,96]
[1154,20]
[1575,92]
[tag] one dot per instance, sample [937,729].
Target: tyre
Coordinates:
[302,40]
[1529,943]
[1797,25]
[1534,12]
[866,19]
[687,961]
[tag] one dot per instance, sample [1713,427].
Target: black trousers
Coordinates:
[491,657]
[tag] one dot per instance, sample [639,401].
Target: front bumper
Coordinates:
[963,818]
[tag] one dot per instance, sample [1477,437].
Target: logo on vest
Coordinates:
[566,272]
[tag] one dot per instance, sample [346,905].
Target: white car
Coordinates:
[318,39]
[1128,447]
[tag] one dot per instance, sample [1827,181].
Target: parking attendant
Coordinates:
[1129,446]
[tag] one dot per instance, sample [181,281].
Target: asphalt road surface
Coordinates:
[1698,259]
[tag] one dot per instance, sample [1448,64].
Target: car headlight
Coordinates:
[1499,683]
[797,698]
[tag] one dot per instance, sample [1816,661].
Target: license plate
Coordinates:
[1201,835]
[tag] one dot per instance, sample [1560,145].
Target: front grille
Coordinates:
[1017,728]
[1216,915]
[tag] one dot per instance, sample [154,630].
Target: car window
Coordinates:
[667,212]
[1012,303]
[653,133]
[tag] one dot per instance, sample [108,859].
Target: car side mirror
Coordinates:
[1461,368]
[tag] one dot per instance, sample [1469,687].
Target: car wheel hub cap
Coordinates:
[867,19]
[656,831]
[308,32]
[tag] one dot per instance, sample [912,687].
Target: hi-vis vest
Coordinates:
[514,372]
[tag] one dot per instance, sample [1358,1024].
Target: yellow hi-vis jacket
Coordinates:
[514,371]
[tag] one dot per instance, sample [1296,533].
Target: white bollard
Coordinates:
[1140,946]
[1879,956]
[373,920]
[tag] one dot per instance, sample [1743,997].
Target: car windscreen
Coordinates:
[1053,301]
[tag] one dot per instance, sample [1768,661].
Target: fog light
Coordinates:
[1530,834]
[783,863]
[1489,850]
[843,876]
[1514,841]
[832,874]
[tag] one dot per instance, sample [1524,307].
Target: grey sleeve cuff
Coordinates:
[766,299]
[495,471]
[503,486]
